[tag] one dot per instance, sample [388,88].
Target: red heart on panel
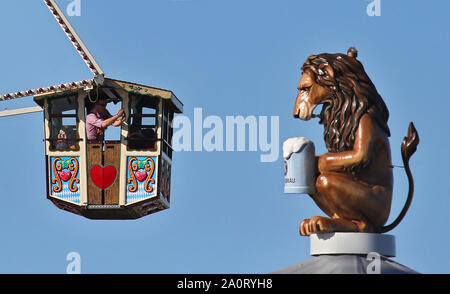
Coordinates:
[141,175]
[103,177]
[65,176]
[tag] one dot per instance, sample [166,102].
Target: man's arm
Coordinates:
[109,121]
[119,121]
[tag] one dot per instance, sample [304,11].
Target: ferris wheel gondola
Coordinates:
[124,179]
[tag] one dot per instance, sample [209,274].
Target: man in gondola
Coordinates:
[99,119]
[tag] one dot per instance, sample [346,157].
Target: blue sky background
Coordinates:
[228,212]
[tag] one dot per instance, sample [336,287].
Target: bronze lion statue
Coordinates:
[354,179]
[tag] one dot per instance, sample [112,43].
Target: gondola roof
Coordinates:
[134,88]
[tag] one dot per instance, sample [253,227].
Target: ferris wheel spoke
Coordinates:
[84,84]
[74,38]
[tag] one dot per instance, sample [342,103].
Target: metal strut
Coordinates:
[25,110]
[85,84]
[81,49]
[74,38]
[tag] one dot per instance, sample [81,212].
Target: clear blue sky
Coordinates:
[228,212]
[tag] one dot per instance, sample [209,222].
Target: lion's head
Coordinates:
[340,83]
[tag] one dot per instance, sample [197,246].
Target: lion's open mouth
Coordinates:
[321,115]
[313,115]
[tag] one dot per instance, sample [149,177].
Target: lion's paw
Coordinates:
[317,224]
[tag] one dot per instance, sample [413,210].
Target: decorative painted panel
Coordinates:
[141,178]
[165,180]
[65,178]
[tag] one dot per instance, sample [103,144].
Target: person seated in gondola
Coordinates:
[99,119]
[61,143]
[65,139]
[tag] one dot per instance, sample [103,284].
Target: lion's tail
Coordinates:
[409,146]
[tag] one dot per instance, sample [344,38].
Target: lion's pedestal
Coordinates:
[349,253]
[352,243]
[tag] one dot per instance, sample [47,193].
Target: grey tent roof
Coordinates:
[344,264]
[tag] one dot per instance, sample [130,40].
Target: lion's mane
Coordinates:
[354,95]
